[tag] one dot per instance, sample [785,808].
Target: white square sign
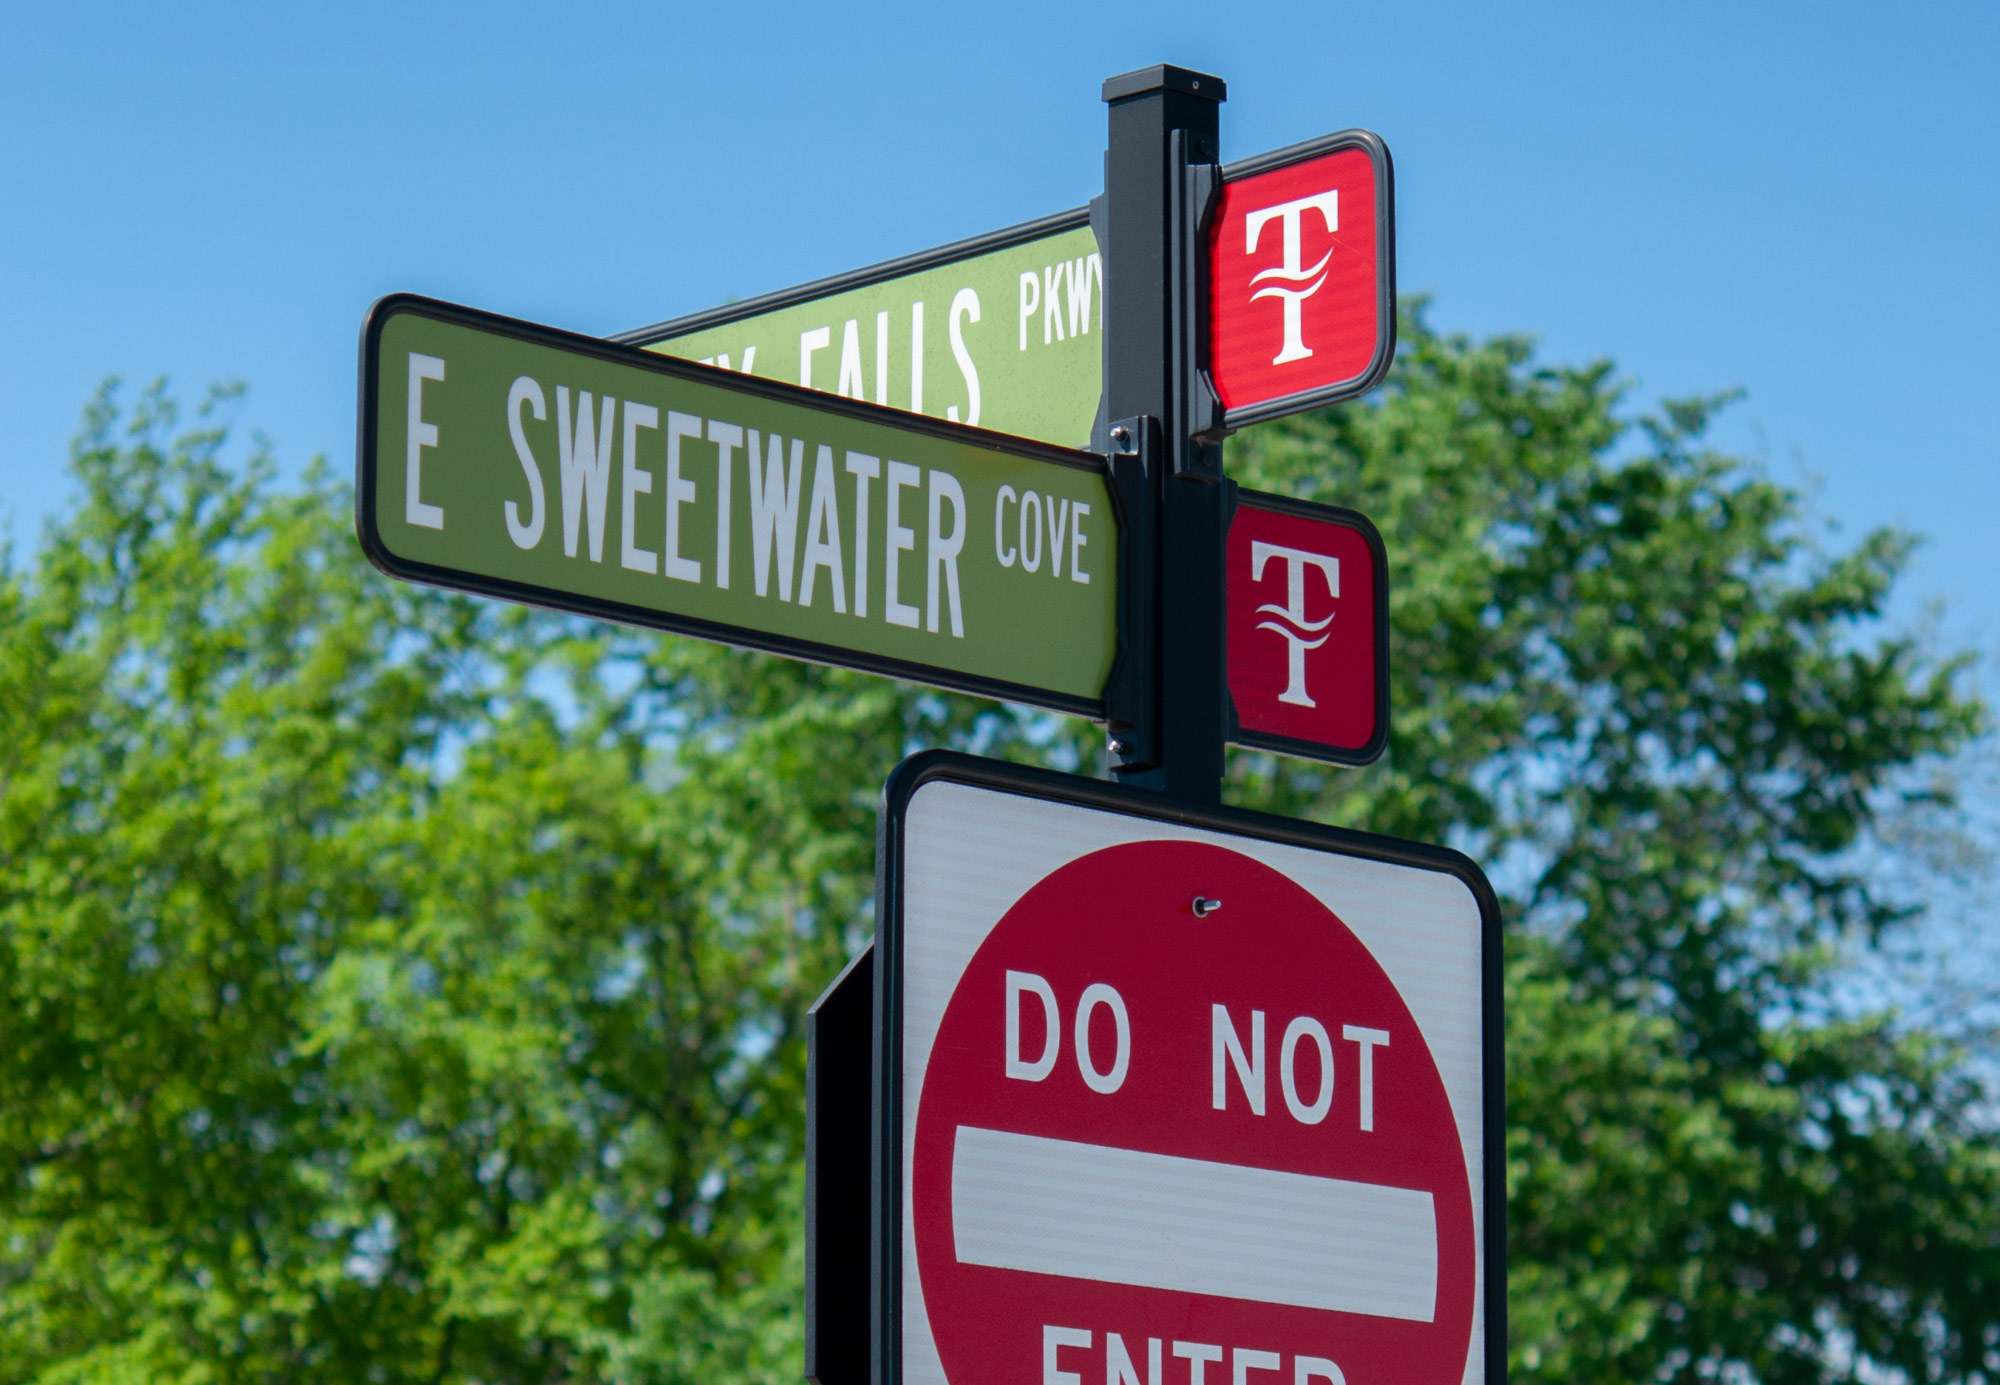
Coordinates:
[1179,1095]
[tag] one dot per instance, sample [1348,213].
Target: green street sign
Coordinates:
[1004,331]
[573,473]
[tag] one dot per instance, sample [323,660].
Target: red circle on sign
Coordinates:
[1116,931]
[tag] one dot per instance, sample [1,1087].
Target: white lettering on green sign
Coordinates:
[517,461]
[1019,350]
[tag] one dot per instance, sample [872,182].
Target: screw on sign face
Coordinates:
[1178,1127]
[1301,297]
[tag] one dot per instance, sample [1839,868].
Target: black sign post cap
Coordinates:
[1165,77]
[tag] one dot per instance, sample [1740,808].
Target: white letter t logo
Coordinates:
[1289,215]
[1296,627]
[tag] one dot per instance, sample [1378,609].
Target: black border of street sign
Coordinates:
[1003,239]
[931,766]
[1385,273]
[1378,739]
[739,636]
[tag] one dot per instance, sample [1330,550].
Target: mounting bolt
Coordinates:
[1121,437]
[1204,907]
[1120,746]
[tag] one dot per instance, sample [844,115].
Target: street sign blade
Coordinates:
[1162,1079]
[564,471]
[1302,277]
[1306,611]
[1003,331]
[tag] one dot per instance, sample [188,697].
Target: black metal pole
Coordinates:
[1169,704]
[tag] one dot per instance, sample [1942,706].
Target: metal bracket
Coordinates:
[1197,180]
[1132,694]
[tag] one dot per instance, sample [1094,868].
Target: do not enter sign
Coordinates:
[1187,1097]
[1220,1137]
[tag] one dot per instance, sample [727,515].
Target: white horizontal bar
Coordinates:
[1024,1202]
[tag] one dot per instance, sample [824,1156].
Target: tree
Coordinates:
[1627,680]
[400,987]
[396,987]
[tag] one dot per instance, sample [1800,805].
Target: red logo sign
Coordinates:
[1301,281]
[1179,1127]
[1308,641]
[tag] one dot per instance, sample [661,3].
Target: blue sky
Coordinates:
[1800,200]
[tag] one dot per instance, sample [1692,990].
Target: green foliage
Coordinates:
[1627,681]
[394,986]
